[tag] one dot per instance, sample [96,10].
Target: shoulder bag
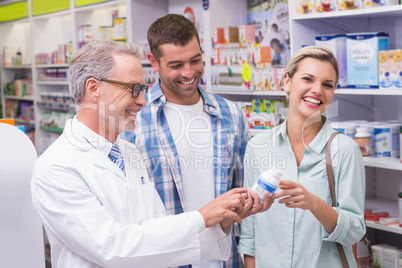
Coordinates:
[331,183]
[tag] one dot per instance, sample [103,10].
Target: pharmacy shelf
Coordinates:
[52,129]
[391,228]
[17,67]
[378,12]
[230,91]
[378,205]
[379,92]
[100,5]
[374,92]
[52,83]
[383,162]
[25,98]
[52,15]
[24,122]
[45,66]
[55,106]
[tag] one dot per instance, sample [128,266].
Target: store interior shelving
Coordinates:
[44,33]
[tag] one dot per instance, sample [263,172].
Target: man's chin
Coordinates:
[130,126]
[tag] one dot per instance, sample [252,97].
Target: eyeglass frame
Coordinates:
[142,88]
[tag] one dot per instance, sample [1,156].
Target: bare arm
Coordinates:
[249,261]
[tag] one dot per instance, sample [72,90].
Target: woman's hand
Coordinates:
[294,195]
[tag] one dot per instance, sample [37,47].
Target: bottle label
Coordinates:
[364,145]
[266,186]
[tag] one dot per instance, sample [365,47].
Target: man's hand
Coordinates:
[224,206]
[252,206]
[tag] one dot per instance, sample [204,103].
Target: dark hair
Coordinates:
[170,29]
[277,43]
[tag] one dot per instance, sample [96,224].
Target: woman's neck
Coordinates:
[303,131]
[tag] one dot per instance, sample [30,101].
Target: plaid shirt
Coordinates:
[153,138]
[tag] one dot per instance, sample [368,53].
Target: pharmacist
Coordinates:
[98,208]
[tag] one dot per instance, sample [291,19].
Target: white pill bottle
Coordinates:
[268,181]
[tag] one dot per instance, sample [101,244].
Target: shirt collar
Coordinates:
[319,142]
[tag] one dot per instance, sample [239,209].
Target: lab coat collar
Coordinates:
[83,138]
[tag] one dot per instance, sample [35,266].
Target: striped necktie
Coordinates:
[117,157]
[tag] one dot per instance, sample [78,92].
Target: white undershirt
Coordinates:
[191,130]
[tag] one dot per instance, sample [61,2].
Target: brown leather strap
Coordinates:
[331,182]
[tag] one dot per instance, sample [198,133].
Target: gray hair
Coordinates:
[95,60]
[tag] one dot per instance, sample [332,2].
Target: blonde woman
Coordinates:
[301,227]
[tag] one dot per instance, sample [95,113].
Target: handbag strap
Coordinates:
[331,183]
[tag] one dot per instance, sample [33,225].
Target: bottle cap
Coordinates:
[362,129]
[274,173]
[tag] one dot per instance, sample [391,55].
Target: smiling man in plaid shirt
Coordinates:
[192,141]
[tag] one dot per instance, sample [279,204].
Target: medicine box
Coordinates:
[231,36]
[337,44]
[386,68]
[325,5]
[398,68]
[218,37]
[379,3]
[348,4]
[304,6]
[362,58]
[247,34]
[262,57]
[378,254]
[391,258]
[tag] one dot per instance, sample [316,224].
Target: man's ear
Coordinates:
[91,88]
[153,61]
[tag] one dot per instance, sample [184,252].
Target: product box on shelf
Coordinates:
[242,56]
[229,78]
[247,34]
[262,56]
[266,80]
[378,3]
[386,69]
[337,44]
[325,5]
[398,68]
[231,36]
[348,4]
[120,28]
[391,257]
[362,58]
[215,56]
[218,37]
[304,6]
[378,254]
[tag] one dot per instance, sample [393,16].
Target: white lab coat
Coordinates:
[95,216]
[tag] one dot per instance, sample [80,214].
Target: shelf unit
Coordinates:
[353,104]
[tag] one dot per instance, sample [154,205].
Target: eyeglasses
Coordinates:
[135,88]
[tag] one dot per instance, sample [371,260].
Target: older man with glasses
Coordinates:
[92,190]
